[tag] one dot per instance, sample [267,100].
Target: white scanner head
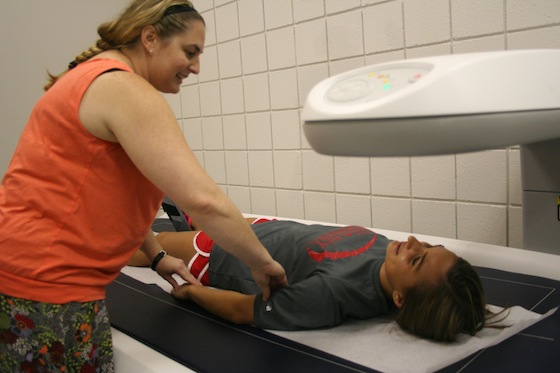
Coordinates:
[437,105]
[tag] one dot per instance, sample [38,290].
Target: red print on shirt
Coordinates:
[328,239]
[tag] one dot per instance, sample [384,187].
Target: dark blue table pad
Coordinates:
[205,343]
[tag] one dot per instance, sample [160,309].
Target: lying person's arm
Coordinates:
[230,305]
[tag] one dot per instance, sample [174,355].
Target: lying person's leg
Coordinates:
[177,244]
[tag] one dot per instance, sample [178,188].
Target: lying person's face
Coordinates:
[412,263]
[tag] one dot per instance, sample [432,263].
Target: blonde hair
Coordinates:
[125,30]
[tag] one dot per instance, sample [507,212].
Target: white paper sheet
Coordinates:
[381,345]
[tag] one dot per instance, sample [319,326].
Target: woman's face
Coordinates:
[175,59]
[411,263]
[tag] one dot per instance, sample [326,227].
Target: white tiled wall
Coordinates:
[241,115]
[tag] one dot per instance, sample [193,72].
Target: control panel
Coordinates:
[371,85]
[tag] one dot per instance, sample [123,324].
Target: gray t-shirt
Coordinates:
[333,274]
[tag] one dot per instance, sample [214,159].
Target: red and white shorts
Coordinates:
[199,263]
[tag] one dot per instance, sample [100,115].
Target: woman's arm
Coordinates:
[230,305]
[122,107]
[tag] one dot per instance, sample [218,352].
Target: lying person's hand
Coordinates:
[181,292]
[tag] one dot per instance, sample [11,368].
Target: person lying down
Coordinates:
[335,273]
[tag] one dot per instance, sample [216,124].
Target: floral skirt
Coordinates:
[44,337]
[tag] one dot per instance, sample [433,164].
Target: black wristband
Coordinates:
[156,260]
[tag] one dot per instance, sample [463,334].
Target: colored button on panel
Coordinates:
[415,77]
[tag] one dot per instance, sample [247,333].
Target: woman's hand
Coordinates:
[169,265]
[270,278]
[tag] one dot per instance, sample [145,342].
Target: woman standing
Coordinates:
[100,150]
